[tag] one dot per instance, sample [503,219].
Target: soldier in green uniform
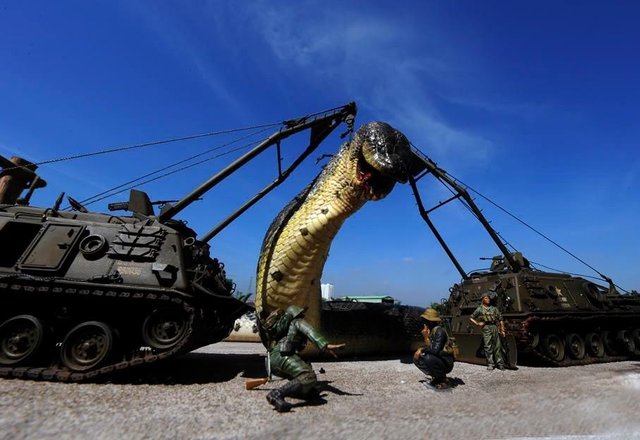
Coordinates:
[489,319]
[287,334]
[436,357]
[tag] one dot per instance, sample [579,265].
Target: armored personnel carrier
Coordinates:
[84,294]
[552,318]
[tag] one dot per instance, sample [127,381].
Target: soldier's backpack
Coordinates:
[276,325]
[450,347]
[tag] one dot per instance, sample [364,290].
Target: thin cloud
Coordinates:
[435,136]
[303,36]
[176,37]
[376,60]
[386,64]
[522,109]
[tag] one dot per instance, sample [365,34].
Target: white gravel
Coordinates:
[202,396]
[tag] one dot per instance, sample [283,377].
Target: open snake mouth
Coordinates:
[375,184]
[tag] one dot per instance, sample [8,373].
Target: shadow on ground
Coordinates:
[316,397]
[195,368]
[199,368]
[449,385]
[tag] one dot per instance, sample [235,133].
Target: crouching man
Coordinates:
[287,334]
[435,359]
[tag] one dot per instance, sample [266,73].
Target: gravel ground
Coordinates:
[202,396]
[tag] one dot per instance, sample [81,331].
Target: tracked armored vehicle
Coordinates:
[551,318]
[85,294]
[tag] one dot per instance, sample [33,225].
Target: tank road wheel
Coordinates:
[609,341]
[574,345]
[553,347]
[163,329]
[86,346]
[20,339]
[594,344]
[625,342]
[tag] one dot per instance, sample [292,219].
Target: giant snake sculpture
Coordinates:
[296,245]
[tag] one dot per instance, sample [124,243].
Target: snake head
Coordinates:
[384,158]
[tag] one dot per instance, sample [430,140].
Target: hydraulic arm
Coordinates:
[427,166]
[321,125]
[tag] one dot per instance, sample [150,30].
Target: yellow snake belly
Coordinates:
[297,244]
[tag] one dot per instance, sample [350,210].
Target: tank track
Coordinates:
[84,290]
[522,333]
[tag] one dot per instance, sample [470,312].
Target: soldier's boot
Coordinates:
[313,395]
[443,384]
[276,397]
[439,384]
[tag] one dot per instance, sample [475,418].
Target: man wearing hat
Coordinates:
[489,319]
[436,358]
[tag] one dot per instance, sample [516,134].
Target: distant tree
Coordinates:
[439,307]
[239,295]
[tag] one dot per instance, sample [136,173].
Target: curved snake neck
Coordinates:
[297,243]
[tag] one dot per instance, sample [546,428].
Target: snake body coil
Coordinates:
[297,243]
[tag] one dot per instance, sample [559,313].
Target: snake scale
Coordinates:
[296,245]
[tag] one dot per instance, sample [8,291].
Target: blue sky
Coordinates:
[534,104]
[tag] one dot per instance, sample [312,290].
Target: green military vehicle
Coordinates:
[553,318]
[556,318]
[86,294]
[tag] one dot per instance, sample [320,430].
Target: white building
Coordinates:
[327,291]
